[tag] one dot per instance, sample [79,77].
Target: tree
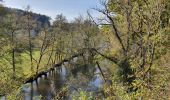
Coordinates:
[11,28]
[136,26]
[45,39]
[29,25]
[59,28]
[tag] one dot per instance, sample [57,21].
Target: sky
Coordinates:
[69,8]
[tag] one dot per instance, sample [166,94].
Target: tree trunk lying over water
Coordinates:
[36,76]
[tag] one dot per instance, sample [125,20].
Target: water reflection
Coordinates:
[75,77]
[2,98]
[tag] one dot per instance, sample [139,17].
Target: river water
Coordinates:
[67,81]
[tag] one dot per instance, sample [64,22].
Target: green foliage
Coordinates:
[143,27]
[138,36]
[82,95]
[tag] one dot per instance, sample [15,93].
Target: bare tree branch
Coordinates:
[107,14]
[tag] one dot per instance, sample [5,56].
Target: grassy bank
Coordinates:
[23,70]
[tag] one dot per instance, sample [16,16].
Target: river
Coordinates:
[67,82]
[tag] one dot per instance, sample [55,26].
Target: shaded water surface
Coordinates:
[73,76]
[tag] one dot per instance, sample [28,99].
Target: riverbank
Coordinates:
[23,73]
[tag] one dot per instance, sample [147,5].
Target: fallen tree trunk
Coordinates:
[35,77]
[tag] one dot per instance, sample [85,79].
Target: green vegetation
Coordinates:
[132,35]
[142,33]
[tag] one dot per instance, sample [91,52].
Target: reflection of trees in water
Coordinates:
[88,70]
[43,90]
[73,75]
[50,86]
[81,75]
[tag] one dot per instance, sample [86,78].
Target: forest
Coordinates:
[121,55]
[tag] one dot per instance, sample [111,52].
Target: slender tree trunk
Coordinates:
[101,70]
[30,50]
[30,44]
[38,64]
[13,61]
[50,56]
[42,50]
[13,54]
[55,57]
